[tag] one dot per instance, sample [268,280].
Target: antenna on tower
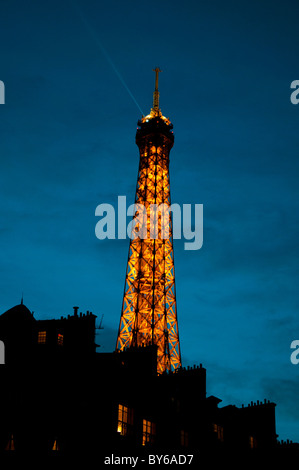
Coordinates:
[100,327]
[156,92]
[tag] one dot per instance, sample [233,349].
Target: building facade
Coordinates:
[62,397]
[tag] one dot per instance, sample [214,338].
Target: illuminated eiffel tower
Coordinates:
[149,313]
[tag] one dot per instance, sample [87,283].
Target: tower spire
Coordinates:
[156,92]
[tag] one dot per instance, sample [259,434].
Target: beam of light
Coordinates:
[96,38]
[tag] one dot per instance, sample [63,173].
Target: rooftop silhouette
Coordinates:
[69,399]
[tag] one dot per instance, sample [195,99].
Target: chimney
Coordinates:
[76,311]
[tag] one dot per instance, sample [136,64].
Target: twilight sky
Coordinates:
[76,74]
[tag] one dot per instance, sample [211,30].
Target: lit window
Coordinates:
[55,445]
[219,431]
[60,339]
[125,420]
[11,443]
[252,442]
[41,338]
[148,432]
[184,438]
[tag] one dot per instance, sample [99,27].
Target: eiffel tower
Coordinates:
[149,314]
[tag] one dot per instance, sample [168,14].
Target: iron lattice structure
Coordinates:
[149,313]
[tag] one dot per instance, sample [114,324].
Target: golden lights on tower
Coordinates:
[149,314]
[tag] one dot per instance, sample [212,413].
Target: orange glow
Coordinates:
[60,339]
[55,445]
[148,432]
[149,304]
[153,114]
[11,443]
[125,419]
[41,337]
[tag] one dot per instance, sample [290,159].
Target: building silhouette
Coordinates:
[62,397]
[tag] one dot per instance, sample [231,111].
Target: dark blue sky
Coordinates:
[68,144]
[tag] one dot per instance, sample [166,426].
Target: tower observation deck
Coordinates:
[149,313]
